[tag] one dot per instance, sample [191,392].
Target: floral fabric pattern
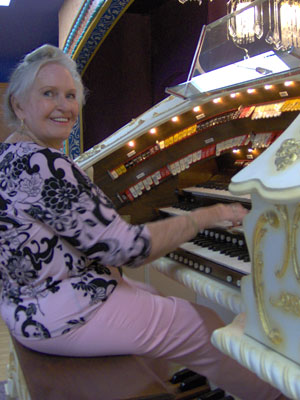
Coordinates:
[60,242]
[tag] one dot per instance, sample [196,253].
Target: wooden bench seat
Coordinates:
[93,378]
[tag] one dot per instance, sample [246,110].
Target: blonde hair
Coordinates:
[25,73]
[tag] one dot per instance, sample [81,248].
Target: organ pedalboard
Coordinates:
[189,385]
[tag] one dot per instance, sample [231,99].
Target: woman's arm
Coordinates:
[168,234]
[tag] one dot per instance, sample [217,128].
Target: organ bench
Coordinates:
[38,376]
[50,377]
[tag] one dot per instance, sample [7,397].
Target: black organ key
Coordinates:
[243,257]
[204,243]
[224,249]
[234,252]
[225,244]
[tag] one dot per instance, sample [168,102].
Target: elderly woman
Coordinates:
[62,241]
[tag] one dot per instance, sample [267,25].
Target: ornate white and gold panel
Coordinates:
[94,21]
[271,294]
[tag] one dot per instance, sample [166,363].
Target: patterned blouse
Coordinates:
[59,237]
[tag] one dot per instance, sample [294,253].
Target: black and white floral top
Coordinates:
[59,235]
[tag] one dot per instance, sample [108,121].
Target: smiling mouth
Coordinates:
[60,119]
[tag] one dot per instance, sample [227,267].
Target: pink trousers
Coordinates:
[136,321]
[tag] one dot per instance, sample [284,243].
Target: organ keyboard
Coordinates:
[220,252]
[217,193]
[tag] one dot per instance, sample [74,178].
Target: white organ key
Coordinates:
[217,194]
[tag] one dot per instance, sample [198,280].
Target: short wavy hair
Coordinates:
[24,75]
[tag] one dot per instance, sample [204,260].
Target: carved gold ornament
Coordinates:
[267,218]
[283,214]
[287,154]
[295,229]
[288,302]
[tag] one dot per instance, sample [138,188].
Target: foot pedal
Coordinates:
[217,394]
[192,382]
[179,376]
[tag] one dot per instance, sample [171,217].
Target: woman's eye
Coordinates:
[48,93]
[71,96]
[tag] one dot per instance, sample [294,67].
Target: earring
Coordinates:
[22,126]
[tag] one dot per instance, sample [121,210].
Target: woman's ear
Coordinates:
[16,106]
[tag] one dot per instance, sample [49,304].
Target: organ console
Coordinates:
[183,152]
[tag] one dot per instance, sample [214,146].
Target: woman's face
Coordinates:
[50,109]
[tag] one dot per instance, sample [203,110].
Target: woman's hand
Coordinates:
[171,232]
[233,213]
[219,215]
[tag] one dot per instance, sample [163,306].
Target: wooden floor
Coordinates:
[4,350]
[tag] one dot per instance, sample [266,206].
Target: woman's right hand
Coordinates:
[233,212]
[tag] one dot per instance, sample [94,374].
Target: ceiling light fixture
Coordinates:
[4,2]
[281,28]
[184,1]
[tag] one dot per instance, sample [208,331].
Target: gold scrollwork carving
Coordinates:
[283,213]
[288,302]
[295,227]
[271,218]
[287,154]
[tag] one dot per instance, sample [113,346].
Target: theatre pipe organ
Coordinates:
[183,153]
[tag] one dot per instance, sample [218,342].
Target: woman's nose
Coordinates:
[62,102]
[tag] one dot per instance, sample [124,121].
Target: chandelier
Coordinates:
[184,1]
[281,24]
